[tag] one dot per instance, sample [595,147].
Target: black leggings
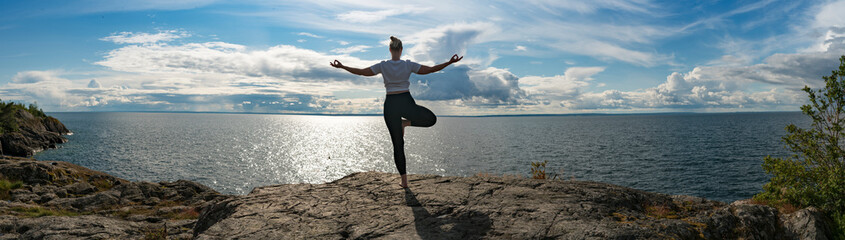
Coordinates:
[396,107]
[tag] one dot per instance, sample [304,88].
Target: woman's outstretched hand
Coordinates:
[426,69]
[336,64]
[454,59]
[357,71]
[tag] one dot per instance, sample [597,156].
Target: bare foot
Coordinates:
[405,123]
[404,183]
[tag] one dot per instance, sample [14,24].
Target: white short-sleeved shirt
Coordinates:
[396,73]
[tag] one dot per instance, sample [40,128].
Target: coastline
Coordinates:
[63,200]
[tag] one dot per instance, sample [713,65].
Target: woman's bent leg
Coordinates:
[421,117]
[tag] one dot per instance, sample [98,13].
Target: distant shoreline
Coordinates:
[458,116]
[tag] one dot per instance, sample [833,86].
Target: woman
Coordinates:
[399,104]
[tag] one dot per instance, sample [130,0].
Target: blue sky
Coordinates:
[522,57]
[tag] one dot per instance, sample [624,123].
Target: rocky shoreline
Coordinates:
[59,200]
[35,134]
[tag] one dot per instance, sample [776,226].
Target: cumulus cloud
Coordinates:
[832,37]
[206,76]
[699,97]
[566,86]
[45,87]
[282,62]
[470,83]
[183,92]
[145,38]
[723,86]
[219,76]
[731,82]
[438,44]
[731,86]
[489,86]
[793,70]
[94,84]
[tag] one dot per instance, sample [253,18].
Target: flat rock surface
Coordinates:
[372,205]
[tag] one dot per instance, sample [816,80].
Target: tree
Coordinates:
[815,174]
[35,111]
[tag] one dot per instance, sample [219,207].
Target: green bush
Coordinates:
[815,174]
[9,185]
[36,111]
[839,221]
[6,186]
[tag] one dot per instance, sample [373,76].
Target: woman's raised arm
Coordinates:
[426,69]
[357,71]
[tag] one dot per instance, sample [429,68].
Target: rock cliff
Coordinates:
[34,134]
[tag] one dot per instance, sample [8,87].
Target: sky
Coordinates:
[521,57]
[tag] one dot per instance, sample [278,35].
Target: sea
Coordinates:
[712,155]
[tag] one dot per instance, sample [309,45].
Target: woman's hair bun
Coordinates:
[395,43]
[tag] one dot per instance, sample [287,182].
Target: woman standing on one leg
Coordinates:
[399,104]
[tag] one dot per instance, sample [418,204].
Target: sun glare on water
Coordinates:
[317,148]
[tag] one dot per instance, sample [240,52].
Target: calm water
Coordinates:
[716,156]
